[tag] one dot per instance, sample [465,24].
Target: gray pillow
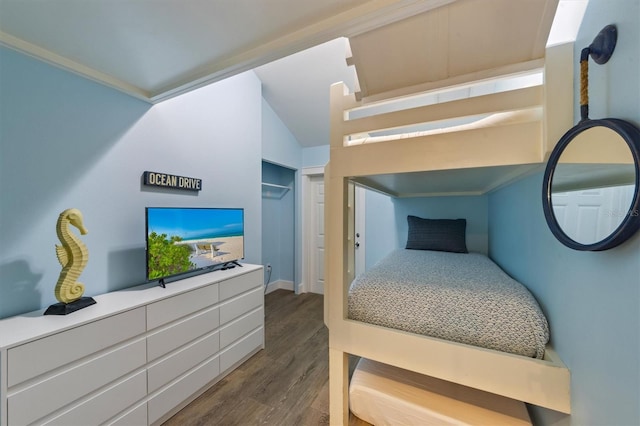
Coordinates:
[437,234]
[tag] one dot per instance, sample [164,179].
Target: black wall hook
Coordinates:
[604,44]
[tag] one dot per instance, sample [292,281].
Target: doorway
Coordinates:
[314,232]
[278,226]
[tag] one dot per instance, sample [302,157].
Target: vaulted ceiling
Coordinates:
[157,49]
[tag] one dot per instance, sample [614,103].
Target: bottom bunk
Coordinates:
[384,395]
[542,382]
[439,311]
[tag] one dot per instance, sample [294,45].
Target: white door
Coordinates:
[359,228]
[582,215]
[316,234]
[313,264]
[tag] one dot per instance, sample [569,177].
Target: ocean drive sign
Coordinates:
[172,181]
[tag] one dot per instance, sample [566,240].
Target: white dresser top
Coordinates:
[22,328]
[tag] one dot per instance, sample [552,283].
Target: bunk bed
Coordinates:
[505,135]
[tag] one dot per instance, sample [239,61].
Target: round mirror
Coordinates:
[590,194]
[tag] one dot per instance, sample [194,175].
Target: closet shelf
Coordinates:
[271,190]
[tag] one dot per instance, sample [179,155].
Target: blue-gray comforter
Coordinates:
[458,297]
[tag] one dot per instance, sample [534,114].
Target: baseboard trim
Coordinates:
[279,285]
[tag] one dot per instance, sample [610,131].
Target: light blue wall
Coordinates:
[381,235]
[317,156]
[386,223]
[278,224]
[68,142]
[280,147]
[592,299]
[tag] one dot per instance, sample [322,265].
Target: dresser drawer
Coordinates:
[241,326]
[240,284]
[135,417]
[106,404]
[172,396]
[176,307]
[166,340]
[173,366]
[34,358]
[68,386]
[235,307]
[240,349]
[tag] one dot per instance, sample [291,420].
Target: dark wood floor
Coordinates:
[287,383]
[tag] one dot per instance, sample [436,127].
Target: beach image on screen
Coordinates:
[181,240]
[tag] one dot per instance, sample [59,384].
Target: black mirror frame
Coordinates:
[631,135]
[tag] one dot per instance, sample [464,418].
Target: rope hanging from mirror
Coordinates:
[600,50]
[584,84]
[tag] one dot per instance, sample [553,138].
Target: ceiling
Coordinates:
[297,88]
[155,49]
[158,49]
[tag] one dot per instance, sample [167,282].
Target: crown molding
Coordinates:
[368,16]
[59,61]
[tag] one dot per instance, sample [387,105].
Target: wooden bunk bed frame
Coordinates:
[522,145]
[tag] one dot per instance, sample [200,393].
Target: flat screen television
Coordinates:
[182,240]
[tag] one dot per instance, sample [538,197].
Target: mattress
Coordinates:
[460,297]
[385,395]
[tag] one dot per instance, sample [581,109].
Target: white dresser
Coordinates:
[136,357]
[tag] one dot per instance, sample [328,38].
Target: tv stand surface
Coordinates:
[230,265]
[135,357]
[220,267]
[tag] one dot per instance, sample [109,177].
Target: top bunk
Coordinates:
[449,118]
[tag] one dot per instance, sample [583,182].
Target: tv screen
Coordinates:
[181,240]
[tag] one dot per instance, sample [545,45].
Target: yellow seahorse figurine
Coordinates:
[72,255]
